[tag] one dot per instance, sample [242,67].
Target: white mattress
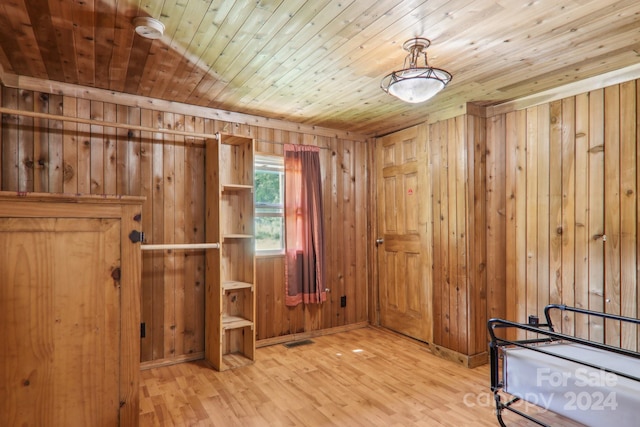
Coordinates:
[590,396]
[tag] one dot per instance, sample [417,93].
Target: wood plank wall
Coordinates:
[567,177]
[457,151]
[56,156]
[343,168]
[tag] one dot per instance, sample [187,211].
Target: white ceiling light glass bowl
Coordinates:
[415,83]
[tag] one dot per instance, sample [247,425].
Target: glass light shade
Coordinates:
[417,84]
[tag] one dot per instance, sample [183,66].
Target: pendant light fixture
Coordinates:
[415,83]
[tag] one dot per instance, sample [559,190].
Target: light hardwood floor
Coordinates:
[364,377]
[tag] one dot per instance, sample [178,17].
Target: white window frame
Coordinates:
[270,163]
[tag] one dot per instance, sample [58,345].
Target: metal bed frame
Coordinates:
[546,334]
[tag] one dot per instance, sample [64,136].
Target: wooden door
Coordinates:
[60,315]
[404,212]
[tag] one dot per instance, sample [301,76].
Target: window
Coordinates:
[269,202]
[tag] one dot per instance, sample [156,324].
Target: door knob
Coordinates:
[379,241]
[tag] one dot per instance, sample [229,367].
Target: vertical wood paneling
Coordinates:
[272,315]
[521,218]
[567,230]
[461,237]
[194,233]
[436,165]
[167,167]
[547,145]
[110,151]
[336,278]
[444,279]
[532,280]
[41,144]
[264,294]
[198,215]
[596,212]
[130,306]
[25,143]
[637,133]
[612,211]
[362,208]
[452,237]
[477,201]
[628,215]
[122,152]
[85,154]
[342,279]
[500,216]
[179,236]
[347,314]
[424,225]
[582,240]
[550,212]
[496,127]
[157,236]
[2,120]
[70,146]
[148,258]
[466,180]
[10,125]
[590,260]
[98,148]
[133,172]
[56,146]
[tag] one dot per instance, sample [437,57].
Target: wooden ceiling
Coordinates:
[318,62]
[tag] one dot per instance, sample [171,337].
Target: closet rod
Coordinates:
[283,143]
[180,246]
[93,122]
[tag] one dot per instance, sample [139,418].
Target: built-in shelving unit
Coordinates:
[230,275]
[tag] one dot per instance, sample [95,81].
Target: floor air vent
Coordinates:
[297,343]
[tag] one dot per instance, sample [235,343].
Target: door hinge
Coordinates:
[143,330]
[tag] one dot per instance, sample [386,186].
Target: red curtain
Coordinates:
[304,266]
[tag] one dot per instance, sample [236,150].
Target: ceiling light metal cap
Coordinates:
[148,27]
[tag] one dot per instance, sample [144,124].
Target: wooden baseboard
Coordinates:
[465,360]
[168,362]
[310,334]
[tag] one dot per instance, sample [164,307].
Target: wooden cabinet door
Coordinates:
[404,212]
[60,320]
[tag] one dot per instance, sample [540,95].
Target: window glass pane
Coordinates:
[267,187]
[269,203]
[269,236]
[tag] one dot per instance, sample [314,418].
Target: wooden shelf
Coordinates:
[233,140]
[237,236]
[233,285]
[235,322]
[235,188]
